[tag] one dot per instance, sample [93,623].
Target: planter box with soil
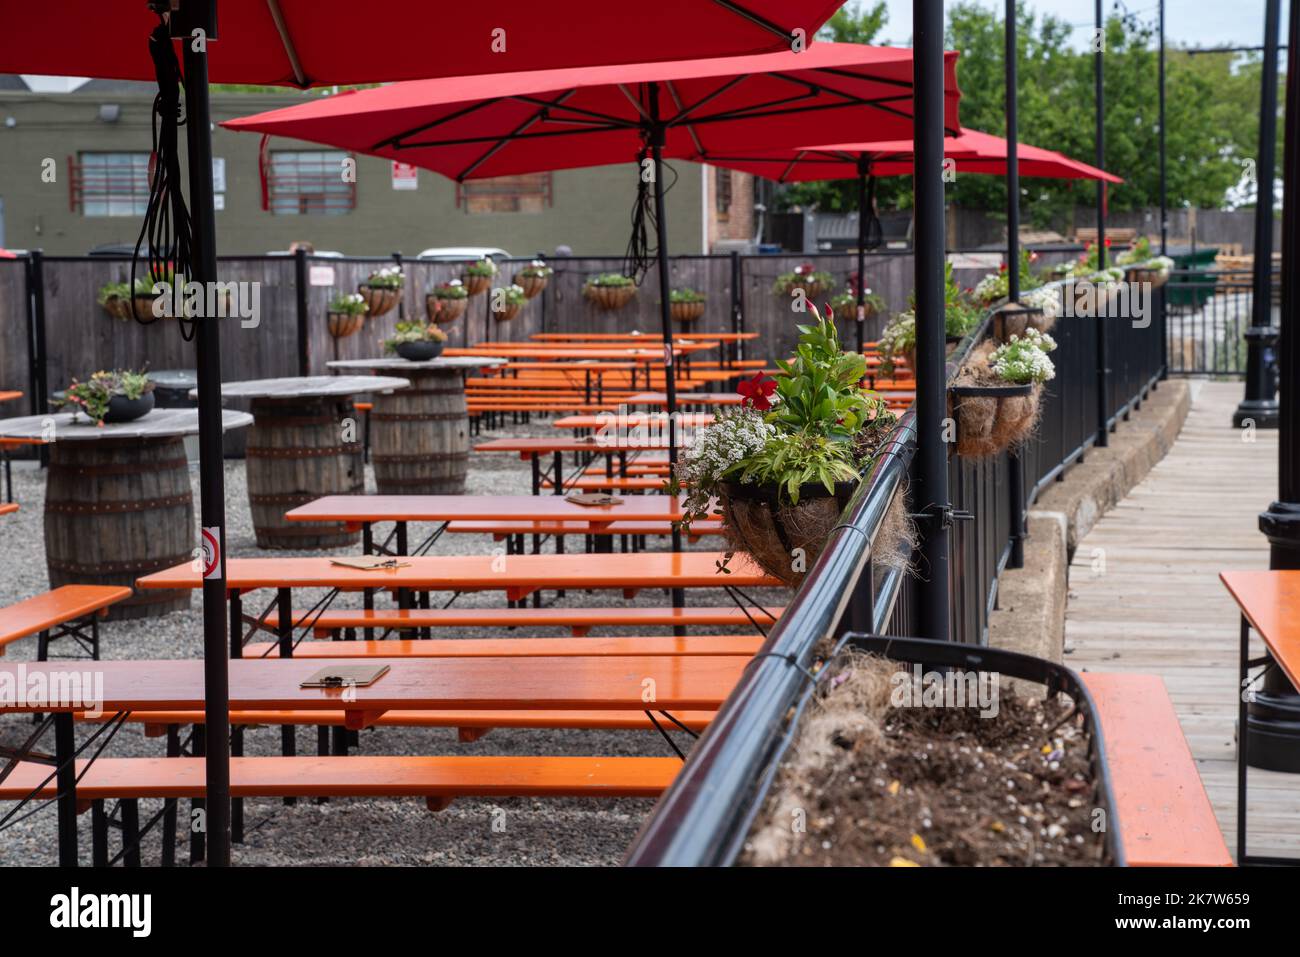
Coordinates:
[379,300]
[444,310]
[920,753]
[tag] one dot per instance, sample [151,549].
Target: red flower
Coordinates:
[757,391]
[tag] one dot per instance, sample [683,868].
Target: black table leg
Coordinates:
[65,747]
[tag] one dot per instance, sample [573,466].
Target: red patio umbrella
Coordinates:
[326,42]
[504,124]
[970,150]
[308,43]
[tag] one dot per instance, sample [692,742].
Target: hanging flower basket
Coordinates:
[444,311]
[119,307]
[509,312]
[344,324]
[476,285]
[507,301]
[686,312]
[1157,277]
[533,278]
[610,292]
[992,412]
[142,305]
[379,299]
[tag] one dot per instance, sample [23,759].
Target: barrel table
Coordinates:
[118,503]
[419,440]
[305,443]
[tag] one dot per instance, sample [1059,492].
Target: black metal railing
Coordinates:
[702,820]
[1207,314]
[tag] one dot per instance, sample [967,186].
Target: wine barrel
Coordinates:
[419,441]
[117,509]
[298,450]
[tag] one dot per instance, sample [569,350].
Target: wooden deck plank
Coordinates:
[1156,604]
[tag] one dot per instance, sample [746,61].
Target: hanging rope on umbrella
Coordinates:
[166,227]
[875,234]
[641,254]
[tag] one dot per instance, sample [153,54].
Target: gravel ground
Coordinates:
[353,831]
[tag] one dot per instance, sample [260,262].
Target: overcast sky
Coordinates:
[1187,22]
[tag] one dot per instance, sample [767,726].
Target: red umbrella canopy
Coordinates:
[973,152]
[504,124]
[323,42]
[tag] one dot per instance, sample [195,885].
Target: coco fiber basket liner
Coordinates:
[989,424]
[785,540]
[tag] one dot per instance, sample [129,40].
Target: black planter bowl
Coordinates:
[419,351]
[122,409]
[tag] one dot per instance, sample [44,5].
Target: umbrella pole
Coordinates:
[657,133]
[1103,261]
[863,212]
[930,488]
[216,679]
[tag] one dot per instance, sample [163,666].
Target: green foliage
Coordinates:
[511,295]
[452,289]
[793,459]
[685,295]
[484,267]
[610,279]
[846,304]
[855,23]
[93,396]
[389,277]
[802,278]
[1212,118]
[348,304]
[113,290]
[414,331]
[820,386]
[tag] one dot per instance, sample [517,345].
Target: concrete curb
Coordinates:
[1030,616]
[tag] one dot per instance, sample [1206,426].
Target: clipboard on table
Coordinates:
[343,675]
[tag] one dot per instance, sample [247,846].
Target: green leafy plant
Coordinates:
[94,395]
[113,290]
[389,277]
[846,304]
[803,277]
[997,285]
[614,279]
[685,295]
[414,332]
[536,270]
[812,423]
[484,267]
[451,289]
[348,304]
[1023,359]
[511,295]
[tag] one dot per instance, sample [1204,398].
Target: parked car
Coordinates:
[456,254]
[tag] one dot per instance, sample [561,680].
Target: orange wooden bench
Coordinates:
[439,780]
[65,612]
[616,483]
[1270,604]
[518,647]
[8,508]
[1165,816]
[580,621]
[503,530]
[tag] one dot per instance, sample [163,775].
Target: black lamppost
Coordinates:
[1015,470]
[1164,194]
[1103,261]
[1260,408]
[1274,715]
[930,490]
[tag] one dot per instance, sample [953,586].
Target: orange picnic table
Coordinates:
[9,395]
[612,447]
[1270,604]
[610,420]
[698,683]
[363,511]
[641,336]
[518,577]
[8,508]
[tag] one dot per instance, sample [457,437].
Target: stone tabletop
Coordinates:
[442,363]
[292,387]
[70,426]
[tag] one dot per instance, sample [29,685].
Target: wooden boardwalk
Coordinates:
[1145,597]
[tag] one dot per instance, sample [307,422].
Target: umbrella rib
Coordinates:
[677,102]
[636,104]
[753,17]
[601,117]
[395,140]
[290,50]
[684,112]
[543,106]
[471,140]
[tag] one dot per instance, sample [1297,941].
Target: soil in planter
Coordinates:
[877,785]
